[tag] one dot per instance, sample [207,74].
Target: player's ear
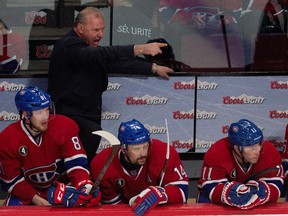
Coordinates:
[124,150]
[25,116]
[236,149]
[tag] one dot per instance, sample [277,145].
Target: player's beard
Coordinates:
[43,127]
[39,127]
[253,160]
[250,158]
[141,160]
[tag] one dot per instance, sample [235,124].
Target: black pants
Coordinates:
[89,141]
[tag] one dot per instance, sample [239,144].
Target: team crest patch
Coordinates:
[120,182]
[23,151]
[233,174]
[43,176]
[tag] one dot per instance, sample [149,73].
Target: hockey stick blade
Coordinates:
[115,143]
[113,140]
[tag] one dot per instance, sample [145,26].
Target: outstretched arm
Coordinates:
[161,71]
[148,49]
[153,49]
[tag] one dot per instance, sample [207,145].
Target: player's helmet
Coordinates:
[133,132]
[244,133]
[31,98]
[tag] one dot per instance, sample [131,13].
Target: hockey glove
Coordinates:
[147,199]
[86,186]
[239,195]
[260,188]
[67,196]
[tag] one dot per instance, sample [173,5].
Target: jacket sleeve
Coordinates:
[130,66]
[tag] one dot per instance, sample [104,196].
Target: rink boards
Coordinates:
[280,208]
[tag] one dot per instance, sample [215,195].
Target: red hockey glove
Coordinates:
[67,196]
[260,188]
[239,195]
[147,199]
[86,187]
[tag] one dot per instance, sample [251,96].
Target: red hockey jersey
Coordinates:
[117,185]
[220,166]
[28,168]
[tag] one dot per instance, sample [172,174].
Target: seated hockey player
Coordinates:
[134,175]
[241,170]
[41,153]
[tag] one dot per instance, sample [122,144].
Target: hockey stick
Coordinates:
[115,143]
[255,176]
[225,41]
[167,155]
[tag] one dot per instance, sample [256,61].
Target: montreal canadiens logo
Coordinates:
[120,182]
[23,151]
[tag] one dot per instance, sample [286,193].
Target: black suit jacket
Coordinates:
[77,74]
